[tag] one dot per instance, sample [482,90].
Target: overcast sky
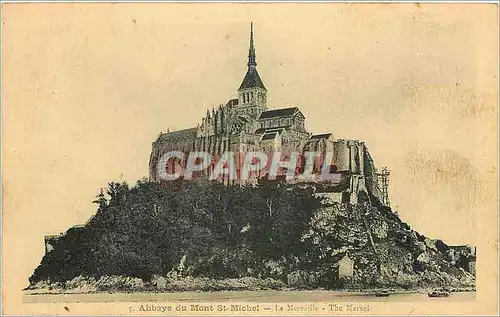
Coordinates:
[88,88]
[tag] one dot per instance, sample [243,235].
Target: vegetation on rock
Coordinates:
[159,235]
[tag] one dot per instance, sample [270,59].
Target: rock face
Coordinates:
[387,252]
[155,235]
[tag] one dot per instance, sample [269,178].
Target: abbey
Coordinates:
[247,123]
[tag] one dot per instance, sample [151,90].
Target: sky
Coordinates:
[88,87]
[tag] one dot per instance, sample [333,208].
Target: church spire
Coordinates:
[252,78]
[251,51]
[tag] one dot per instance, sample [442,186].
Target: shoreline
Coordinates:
[263,296]
[367,292]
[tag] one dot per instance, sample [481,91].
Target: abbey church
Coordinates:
[247,124]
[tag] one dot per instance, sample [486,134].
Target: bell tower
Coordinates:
[252,94]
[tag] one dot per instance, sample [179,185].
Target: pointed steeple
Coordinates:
[251,51]
[252,78]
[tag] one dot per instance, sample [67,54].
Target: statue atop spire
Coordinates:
[251,51]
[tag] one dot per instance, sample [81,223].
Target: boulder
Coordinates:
[431,244]
[301,278]
[420,246]
[295,279]
[160,282]
[379,229]
[424,258]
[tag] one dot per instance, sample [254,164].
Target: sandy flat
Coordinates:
[250,296]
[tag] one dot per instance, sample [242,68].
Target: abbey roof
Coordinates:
[252,79]
[286,112]
[321,136]
[178,136]
[262,130]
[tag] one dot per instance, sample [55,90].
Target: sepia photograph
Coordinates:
[336,158]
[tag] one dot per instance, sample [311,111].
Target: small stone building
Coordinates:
[346,267]
[472,268]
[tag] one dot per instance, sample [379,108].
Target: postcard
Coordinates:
[250,158]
